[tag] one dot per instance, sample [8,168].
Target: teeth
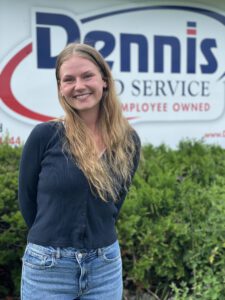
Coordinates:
[81,97]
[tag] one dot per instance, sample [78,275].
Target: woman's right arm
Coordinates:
[30,166]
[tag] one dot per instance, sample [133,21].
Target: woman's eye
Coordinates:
[87,76]
[68,79]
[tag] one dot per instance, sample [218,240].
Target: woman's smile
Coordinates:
[82,96]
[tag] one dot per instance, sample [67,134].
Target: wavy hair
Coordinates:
[109,175]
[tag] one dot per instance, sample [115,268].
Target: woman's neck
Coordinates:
[90,119]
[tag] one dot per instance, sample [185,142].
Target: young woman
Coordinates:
[74,176]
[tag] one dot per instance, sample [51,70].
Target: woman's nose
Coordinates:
[79,84]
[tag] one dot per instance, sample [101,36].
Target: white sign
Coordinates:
[167,61]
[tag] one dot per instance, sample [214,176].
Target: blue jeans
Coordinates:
[71,274]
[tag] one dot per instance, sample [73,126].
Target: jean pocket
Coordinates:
[37,260]
[111,253]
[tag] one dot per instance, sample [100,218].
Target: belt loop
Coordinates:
[99,251]
[57,252]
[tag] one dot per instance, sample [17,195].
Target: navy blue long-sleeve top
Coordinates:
[55,197]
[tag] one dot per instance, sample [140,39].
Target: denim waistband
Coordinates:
[67,251]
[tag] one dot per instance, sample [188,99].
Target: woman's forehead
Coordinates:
[80,64]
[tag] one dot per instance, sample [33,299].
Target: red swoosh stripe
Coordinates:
[6,92]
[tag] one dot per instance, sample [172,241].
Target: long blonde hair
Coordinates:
[109,175]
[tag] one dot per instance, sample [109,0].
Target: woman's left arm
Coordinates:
[136,160]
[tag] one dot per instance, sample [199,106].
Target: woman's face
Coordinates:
[81,84]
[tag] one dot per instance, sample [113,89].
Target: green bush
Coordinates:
[12,227]
[171,227]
